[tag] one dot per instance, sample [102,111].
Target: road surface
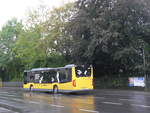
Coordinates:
[16,100]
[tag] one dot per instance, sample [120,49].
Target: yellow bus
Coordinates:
[70,78]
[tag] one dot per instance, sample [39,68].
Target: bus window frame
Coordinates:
[51,76]
[84,71]
[31,75]
[66,74]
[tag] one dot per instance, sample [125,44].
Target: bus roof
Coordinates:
[46,69]
[27,70]
[70,65]
[41,69]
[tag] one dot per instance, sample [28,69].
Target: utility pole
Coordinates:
[144,65]
[142,46]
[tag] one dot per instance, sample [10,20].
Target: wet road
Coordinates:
[101,101]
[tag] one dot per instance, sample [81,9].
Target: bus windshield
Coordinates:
[83,71]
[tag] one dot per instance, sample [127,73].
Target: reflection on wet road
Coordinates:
[101,101]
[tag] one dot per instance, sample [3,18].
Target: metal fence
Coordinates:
[12,84]
[114,83]
[110,82]
[99,83]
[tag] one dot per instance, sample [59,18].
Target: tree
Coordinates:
[43,39]
[57,34]
[39,42]
[107,36]
[8,37]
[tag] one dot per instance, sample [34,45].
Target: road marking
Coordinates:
[6,110]
[112,103]
[3,92]
[131,100]
[144,106]
[100,97]
[33,102]
[8,95]
[89,111]
[127,99]
[9,106]
[56,105]
[12,99]
[19,100]
[4,97]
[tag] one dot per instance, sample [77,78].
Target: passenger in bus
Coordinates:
[41,79]
[52,79]
[57,76]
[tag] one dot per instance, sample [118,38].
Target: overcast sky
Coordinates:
[18,8]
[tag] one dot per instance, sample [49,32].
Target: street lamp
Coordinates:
[142,43]
[144,65]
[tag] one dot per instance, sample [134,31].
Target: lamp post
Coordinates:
[144,66]
[142,43]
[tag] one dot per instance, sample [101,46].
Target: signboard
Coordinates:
[137,81]
[131,81]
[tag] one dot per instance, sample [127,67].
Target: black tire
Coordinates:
[55,90]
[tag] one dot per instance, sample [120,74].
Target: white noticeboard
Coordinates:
[137,81]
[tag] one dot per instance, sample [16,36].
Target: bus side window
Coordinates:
[65,75]
[47,77]
[52,76]
[31,78]
[25,78]
[61,76]
[83,71]
[36,77]
[68,75]
[43,77]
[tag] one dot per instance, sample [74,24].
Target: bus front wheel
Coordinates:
[55,90]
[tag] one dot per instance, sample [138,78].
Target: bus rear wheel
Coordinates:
[55,90]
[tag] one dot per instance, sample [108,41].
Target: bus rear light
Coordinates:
[74,83]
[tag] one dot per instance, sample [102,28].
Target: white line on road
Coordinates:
[112,103]
[89,111]
[56,105]
[4,97]
[127,100]
[12,99]
[3,92]
[100,97]
[8,95]
[131,100]
[144,106]
[5,110]
[33,102]
[19,100]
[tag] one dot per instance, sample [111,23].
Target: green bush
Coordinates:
[0,82]
[110,82]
